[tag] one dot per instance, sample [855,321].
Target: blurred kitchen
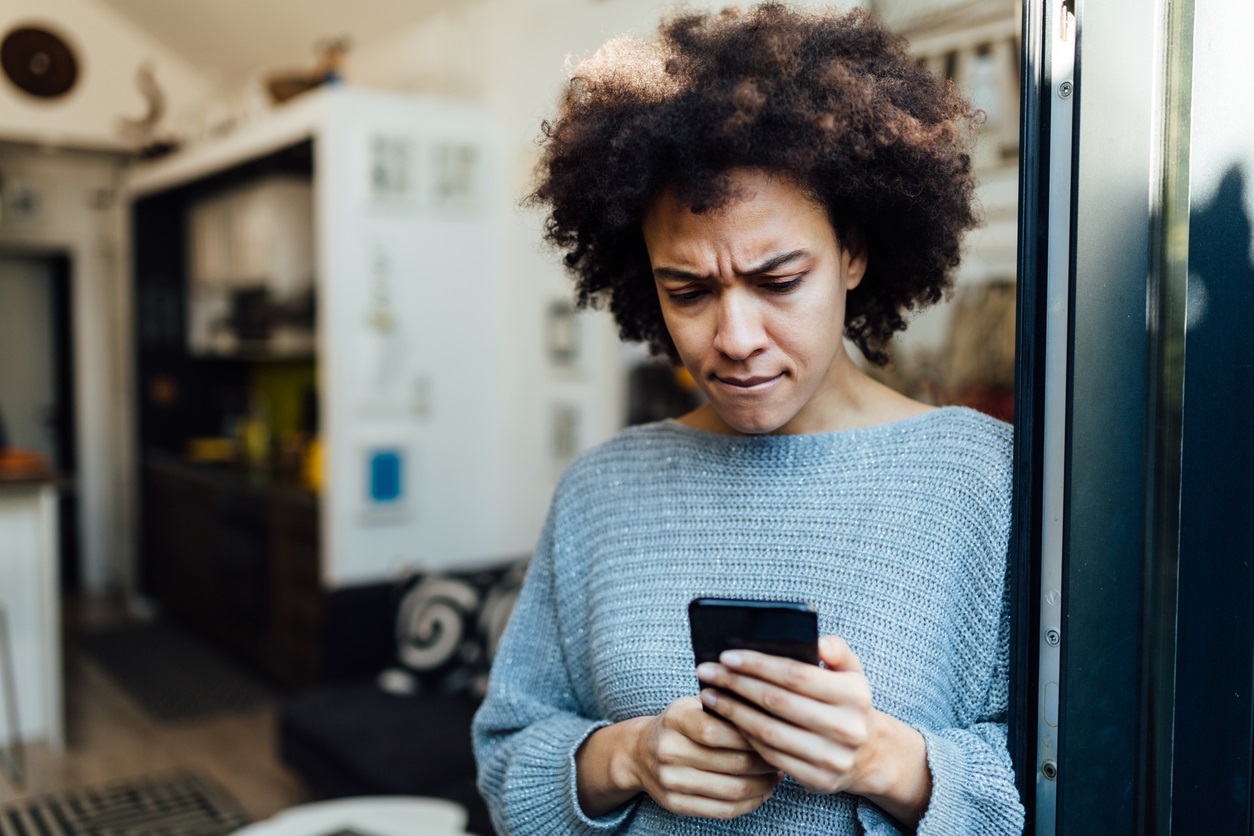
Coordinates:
[287,378]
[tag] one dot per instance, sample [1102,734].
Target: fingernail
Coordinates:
[707,671]
[731,658]
[709,697]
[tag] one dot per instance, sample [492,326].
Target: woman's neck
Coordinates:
[849,399]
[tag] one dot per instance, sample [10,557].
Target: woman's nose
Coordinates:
[739,330]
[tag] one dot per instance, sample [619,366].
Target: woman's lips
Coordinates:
[748,383]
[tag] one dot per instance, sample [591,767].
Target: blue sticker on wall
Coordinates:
[385,475]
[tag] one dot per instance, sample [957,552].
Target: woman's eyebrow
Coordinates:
[675,273]
[772,263]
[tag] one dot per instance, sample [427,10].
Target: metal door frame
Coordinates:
[1129,484]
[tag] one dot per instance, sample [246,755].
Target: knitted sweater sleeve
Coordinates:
[973,782]
[532,722]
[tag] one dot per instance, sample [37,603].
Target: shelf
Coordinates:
[288,125]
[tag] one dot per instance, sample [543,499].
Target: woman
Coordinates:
[742,192]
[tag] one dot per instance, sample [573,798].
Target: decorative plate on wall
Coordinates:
[38,62]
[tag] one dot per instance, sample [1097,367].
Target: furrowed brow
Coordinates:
[675,273]
[775,262]
[772,263]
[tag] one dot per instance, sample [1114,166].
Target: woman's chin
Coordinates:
[752,423]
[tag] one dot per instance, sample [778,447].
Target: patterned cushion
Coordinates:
[447,628]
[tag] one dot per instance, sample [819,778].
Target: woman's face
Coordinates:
[753,295]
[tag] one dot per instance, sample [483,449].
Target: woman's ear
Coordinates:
[853,256]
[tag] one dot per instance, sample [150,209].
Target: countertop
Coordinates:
[233,478]
[27,480]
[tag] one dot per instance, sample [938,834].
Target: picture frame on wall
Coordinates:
[392,179]
[562,338]
[455,176]
[565,431]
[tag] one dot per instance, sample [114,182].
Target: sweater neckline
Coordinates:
[851,435]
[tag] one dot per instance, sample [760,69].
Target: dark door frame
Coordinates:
[1155,723]
[65,430]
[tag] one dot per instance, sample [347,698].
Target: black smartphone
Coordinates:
[781,628]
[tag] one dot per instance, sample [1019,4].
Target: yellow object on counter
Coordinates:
[311,473]
[211,449]
[255,434]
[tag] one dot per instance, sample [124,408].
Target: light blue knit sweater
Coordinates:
[897,534]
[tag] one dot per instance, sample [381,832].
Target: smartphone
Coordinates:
[781,628]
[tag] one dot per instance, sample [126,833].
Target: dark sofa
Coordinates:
[350,737]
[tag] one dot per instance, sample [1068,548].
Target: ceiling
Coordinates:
[234,39]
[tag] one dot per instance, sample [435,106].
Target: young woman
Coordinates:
[744,192]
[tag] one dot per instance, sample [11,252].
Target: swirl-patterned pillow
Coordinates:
[447,626]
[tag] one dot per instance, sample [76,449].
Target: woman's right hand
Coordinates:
[690,762]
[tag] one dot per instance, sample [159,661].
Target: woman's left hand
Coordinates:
[818,725]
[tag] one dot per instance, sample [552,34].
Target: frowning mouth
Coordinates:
[748,383]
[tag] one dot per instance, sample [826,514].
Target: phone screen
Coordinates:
[780,628]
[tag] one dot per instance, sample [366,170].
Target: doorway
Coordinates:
[37,409]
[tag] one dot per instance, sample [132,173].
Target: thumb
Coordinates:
[837,655]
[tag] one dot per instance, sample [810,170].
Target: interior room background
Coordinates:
[546,382]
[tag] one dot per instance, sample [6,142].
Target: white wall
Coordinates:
[110,51]
[427,384]
[28,598]
[80,216]
[904,14]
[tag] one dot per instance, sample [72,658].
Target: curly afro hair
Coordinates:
[831,101]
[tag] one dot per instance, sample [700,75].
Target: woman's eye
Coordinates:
[687,297]
[782,286]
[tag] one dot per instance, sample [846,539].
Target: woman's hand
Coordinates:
[688,761]
[818,725]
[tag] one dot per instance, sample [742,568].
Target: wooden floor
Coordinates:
[110,738]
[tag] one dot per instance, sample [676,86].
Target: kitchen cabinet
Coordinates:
[406,340]
[29,593]
[250,265]
[252,236]
[237,560]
